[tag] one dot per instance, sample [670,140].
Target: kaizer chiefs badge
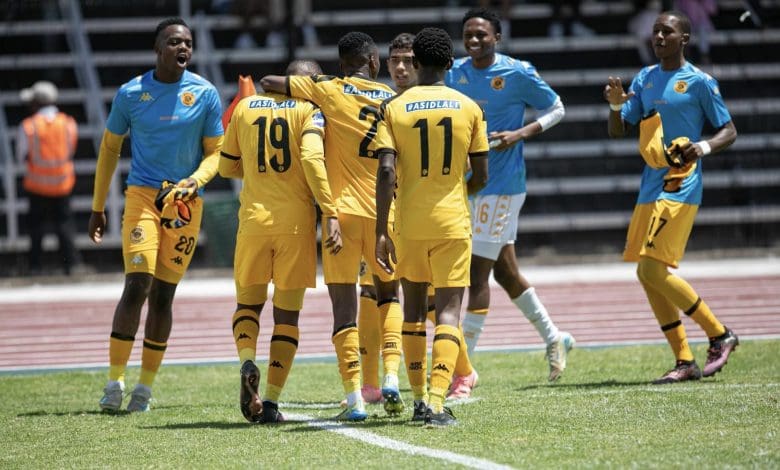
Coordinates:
[497,83]
[681,86]
[137,235]
[187,98]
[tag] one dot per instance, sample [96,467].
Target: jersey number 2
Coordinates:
[279,138]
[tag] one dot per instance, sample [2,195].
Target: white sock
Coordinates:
[390,381]
[534,311]
[472,324]
[353,398]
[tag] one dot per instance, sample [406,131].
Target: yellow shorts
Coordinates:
[441,263]
[660,230]
[290,261]
[366,277]
[147,247]
[359,237]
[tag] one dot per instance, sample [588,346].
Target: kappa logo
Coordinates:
[137,259]
[363,351]
[415,365]
[244,336]
[441,366]
[463,80]
[391,345]
[177,260]
[353,364]
[276,364]
[650,244]
[145,96]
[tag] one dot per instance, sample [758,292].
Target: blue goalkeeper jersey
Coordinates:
[167,122]
[503,90]
[684,98]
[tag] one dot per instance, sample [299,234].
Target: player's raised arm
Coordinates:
[275,83]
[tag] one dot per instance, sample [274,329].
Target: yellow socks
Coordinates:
[445,353]
[119,349]
[284,344]
[463,365]
[703,316]
[369,326]
[246,329]
[415,356]
[346,341]
[151,358]
[391,316]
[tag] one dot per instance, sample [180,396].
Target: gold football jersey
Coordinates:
[265,133]
[351,108]
[432,129]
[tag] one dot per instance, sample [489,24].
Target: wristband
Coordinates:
[615,107]
[705,147]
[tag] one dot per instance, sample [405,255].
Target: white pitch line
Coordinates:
[387,443]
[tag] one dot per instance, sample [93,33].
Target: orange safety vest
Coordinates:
[50,148]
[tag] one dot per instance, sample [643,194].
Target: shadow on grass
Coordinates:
[590,385]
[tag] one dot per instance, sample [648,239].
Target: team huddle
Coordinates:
[419,188]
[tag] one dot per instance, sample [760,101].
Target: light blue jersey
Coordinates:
[684,98]
[503,90]
[167,122]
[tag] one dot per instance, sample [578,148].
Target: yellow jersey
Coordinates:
[432,130]
[351,107]
[265,134]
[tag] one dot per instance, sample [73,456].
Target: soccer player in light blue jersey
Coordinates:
[677,97]
[173,119]
[504,87]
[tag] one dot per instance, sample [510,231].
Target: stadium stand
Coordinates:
[582,186]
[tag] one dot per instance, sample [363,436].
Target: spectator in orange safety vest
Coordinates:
[45,146]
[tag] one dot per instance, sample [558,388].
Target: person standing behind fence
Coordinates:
[174,120]
[45,146]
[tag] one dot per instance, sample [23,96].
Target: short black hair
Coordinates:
[168,22]
[486,14]
[355,47]
[682,19]
[303,67]
[433,47]
[403,41]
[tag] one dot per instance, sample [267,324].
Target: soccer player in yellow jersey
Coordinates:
[274,144]
[350,103]
[427,138]
[399,65]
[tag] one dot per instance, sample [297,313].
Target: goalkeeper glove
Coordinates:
[171,201]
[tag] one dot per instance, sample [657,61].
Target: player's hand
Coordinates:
[502,140]
[97,226]
[186,189]
[385,253]
[688,152]
[333,243]
[614,93]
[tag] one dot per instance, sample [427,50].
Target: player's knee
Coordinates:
[503,277]
[650,271]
